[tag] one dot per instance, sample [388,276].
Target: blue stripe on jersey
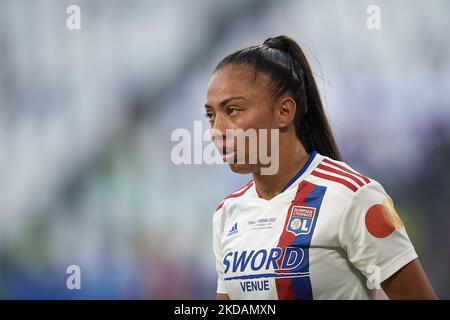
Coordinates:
[269,275]
[302,170]
[302,286]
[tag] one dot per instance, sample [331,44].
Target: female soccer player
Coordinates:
[316,229]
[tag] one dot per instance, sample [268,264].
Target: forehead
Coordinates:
[235,80]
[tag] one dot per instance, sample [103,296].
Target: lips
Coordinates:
[226,149]
[228,154]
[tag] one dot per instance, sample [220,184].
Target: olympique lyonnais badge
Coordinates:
[300,220]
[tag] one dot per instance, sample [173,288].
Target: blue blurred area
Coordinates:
[86,118]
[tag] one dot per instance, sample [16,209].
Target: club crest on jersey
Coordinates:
[301,219]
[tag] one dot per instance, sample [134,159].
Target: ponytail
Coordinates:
[282,59]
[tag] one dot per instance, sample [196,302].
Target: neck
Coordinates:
[291,160]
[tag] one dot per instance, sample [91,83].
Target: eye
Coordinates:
[210,116]
[232,111]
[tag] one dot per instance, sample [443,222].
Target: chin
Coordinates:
[243,168]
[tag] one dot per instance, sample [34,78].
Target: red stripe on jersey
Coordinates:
[284,285]
[366,180]
[342,173]
[238,194]
[220,205]
[335,179]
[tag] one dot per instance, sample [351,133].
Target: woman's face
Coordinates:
[236,100]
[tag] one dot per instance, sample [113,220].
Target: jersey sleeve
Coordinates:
[218,253]
[373,235]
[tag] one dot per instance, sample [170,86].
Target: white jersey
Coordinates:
[331,233]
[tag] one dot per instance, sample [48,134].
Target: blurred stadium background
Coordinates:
[86,117]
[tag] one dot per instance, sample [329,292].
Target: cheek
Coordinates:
[258,118]
[257,121]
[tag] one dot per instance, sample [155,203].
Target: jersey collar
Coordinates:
[302,170]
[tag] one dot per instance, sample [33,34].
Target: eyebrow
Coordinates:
[226,101]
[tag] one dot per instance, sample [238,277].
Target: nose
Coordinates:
[218,132]
[219,125]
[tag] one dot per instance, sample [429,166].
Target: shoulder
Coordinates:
[341,178]
[219,218]
[365,199]
[235,196]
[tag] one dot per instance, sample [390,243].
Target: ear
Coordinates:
[285,111]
